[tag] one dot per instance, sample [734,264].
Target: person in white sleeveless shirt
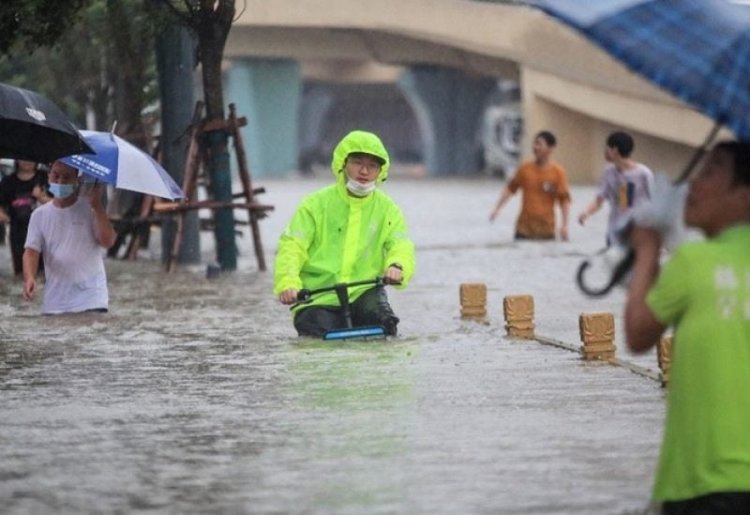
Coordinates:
[72,233]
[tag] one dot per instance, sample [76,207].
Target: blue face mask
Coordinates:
[62,191]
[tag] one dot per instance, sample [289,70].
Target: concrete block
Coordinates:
[518,311]
[473,301]
[664,357]
[598,335]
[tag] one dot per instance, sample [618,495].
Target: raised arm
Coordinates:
[103,230]
[642,329]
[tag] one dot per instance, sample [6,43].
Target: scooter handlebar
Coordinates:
[305,294]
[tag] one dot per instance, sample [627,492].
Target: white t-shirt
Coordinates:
[624,191]
[73,260]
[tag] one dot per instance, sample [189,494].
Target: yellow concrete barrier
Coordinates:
[473,301]
[518,311]
[598,336]
[664,357]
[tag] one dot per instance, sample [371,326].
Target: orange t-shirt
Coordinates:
[541,188]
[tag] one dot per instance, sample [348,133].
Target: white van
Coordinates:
[501,138]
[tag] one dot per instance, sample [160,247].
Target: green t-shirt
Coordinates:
[704,291]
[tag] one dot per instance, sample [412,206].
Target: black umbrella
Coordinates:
[35,129]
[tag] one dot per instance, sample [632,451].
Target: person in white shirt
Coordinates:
[625,184]
[72,233]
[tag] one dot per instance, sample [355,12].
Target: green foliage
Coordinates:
[33,23]
[102,65]
[210,20]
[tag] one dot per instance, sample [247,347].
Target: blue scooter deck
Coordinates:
[366,333]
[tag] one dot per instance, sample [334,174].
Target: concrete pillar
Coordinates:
[449,106]
[175,51]
[267,92]
[315,106]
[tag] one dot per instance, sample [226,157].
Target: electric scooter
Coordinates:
[304,296]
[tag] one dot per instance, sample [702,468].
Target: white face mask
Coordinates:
[359,189]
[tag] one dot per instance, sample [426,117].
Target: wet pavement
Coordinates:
[195,396]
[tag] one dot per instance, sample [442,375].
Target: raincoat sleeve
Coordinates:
[399,248]
[292,253]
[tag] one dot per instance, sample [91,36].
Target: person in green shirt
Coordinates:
[346,232]
[703,291]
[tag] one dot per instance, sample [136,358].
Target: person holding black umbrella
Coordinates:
[72,233]
[704,293]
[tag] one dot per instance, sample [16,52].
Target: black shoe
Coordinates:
[391,326]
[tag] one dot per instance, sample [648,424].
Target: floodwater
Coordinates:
[195,396]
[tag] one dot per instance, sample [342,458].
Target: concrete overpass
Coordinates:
[444,54]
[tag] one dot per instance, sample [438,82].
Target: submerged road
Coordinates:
[194,395]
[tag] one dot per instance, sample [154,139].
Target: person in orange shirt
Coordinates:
[543,183]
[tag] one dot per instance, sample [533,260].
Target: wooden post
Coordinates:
[598,336]
[518,311]
[247,188]
[473,301]
[189,183]
[664,357]
[142,228]
[193,177]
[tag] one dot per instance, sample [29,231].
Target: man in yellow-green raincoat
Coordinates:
[349,231]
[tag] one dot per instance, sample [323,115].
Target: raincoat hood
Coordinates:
[359,141]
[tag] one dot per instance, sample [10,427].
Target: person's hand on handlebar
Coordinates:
[393,274]
[288,296]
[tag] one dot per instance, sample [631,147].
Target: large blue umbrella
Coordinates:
[697,50]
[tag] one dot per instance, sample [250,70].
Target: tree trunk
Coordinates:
[175,51]
[213,27]
[128,66]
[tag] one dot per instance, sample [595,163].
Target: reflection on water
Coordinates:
[194,396]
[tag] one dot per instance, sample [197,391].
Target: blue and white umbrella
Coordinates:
[697,50]
[124,166]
